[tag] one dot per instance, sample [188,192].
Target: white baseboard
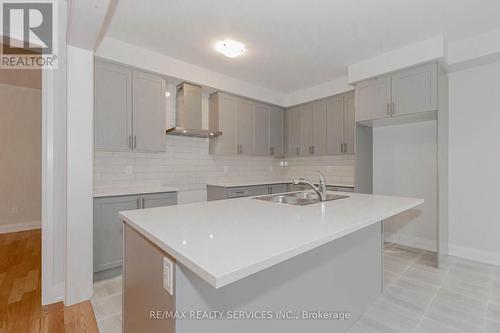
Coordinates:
[54,295]
[487,257]
[411,241]
[7,228]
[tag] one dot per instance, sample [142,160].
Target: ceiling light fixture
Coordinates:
[230,48]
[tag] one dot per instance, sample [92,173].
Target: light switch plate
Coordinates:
[168,275]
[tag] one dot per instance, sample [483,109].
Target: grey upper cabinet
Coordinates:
[335,125]
[248,127]
[415,90]
[222,118]
[373,98]
[129,109]
[319,128]
[341,124]
[349,123]
[405,92]
[148,96]
[262,130]
[293,131]
[113,107]
[306,129]
[313,128]
[276,131]
[323,127]
[244,127]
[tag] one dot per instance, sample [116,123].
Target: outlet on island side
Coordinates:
[168,275]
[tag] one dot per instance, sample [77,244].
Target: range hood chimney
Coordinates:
[188,113]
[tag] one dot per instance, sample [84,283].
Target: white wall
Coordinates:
[132,55]
[475,163]
[21,154]
[405,164]
[80,140]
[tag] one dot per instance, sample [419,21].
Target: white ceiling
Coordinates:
[293,44]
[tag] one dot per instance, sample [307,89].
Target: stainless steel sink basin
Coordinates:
[298,198]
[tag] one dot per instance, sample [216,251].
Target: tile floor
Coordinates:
[107,303]
[462,296]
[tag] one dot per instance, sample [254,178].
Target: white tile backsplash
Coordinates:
[187,165]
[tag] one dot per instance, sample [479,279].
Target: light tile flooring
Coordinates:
[461,297]
[107,303]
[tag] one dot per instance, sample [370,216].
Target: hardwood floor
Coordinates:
[20,291]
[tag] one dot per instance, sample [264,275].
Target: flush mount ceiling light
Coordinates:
[230,48]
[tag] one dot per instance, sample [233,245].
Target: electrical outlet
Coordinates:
[168,275]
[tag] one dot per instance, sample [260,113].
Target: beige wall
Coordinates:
[20,149]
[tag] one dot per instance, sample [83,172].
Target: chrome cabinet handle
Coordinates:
[143,202]
[134,145]
[389,109]
[138,204]
[393,111]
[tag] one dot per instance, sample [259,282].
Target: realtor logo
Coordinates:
[29,34]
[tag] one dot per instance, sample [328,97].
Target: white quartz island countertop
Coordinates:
[227,240]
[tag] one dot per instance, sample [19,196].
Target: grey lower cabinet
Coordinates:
[108,228]
[223,192]
[129,109]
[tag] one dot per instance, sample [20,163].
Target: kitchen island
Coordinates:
[246,265]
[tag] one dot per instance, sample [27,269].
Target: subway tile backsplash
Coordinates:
[187,166]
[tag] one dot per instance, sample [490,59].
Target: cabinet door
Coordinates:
[277,122]
[349,123]
[246,191]
[335,124]
[226,144]
[277,188]
[148,94]
[113,107]
[261,130]
[373,98]
[158,200]
[244,126]
[108,230]
[415,90]
[307,128]
[319,128]
[293,129]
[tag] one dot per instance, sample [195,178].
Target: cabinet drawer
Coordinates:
[277,188]
[247,191]
[300,187]
[340,188]
[159,200]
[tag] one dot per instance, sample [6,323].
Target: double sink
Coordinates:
[299,198]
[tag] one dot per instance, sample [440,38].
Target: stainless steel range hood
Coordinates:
[188,113]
